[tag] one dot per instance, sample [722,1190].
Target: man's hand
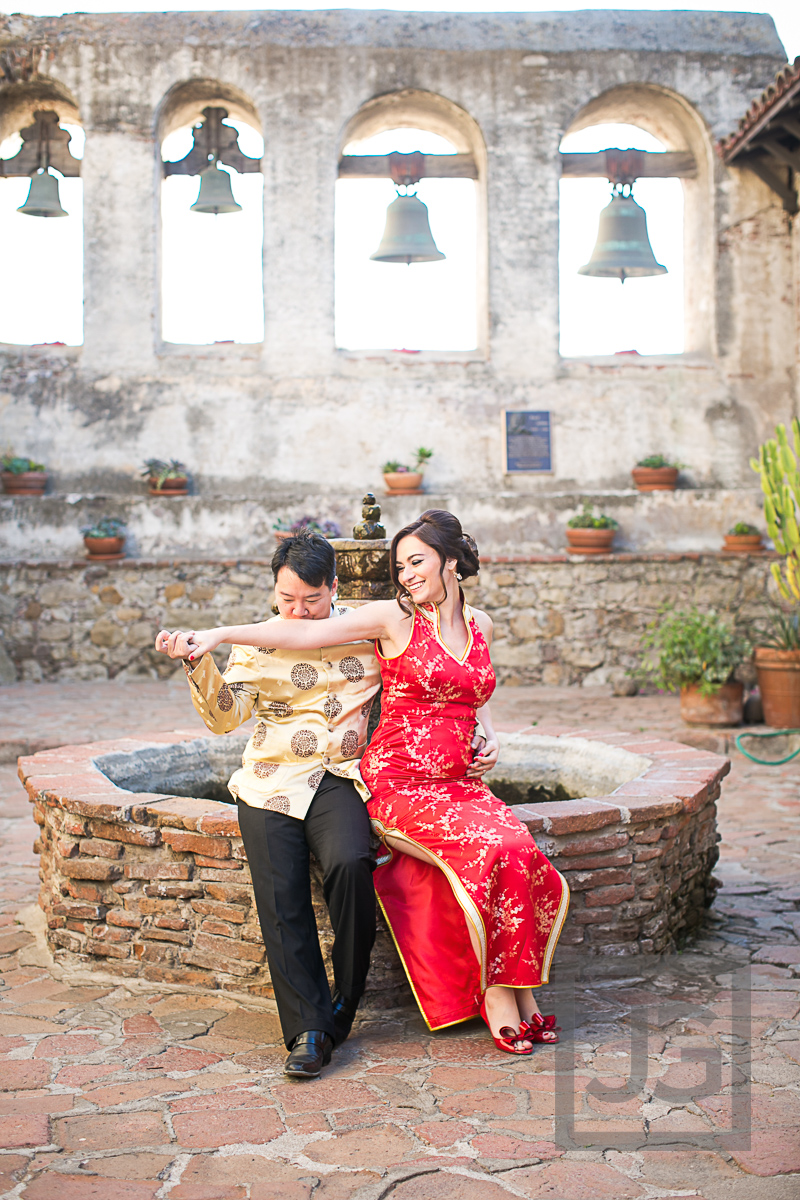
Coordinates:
[485,755]
[176,645]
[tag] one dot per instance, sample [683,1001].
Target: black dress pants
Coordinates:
[336,830]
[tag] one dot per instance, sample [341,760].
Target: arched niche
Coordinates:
[43,257]
[184,103]
[211,288]
[413,108]
[670,117]
[19,101]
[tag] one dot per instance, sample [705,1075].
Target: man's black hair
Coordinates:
[309,555]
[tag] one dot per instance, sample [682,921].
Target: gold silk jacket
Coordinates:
[311,707]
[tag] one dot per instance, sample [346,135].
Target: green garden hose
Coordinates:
[767,762]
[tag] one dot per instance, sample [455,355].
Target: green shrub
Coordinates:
[655,461]
[106,527]
[692,648]
[18,465]
[587,520]
[742,529]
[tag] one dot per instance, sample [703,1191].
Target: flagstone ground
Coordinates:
[112,1091]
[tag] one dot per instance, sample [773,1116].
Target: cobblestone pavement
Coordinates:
[131,1094]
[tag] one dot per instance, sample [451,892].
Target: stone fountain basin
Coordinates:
[143,871]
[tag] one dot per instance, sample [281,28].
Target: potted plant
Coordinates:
[104,540]
[697,653]
[165,478]
[778,655]
[655,474]
[778,667]
[328,529]
[742,538]
[22,476]
[588,534]
[401,480]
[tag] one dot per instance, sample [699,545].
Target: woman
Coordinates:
[474,907]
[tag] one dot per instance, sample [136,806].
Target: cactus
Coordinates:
[780,483]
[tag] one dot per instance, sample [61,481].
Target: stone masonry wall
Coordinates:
[557,620]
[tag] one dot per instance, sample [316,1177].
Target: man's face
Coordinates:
[298,601]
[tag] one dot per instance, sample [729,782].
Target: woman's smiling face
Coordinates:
[419,570]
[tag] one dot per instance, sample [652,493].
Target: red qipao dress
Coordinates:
[483,867]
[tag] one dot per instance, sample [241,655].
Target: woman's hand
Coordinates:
[485,754]
[203,641]
[176,645]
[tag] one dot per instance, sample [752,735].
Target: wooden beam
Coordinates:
[758,165]
[209,139]
[433,166]
[791,123]
[633,164]
[779,151]
[44,144]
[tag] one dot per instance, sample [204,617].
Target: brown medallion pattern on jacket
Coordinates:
[260,735]
[315,779]
[224,698]
[278,804]
[351,667]
[264,769]
[350,744]
[332,707]
[279,709]
[304,743]
[304,676]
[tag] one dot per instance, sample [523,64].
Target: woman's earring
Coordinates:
[459,576]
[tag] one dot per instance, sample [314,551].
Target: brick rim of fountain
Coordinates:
[149,887]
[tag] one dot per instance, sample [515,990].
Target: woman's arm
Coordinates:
[375,620]
[489,751]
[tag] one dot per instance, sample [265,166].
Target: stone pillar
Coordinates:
[120,277]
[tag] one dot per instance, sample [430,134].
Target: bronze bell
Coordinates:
[622,249]
[43,198]
[407,237]
[216,193]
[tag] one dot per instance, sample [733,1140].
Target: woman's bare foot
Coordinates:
[502,1011]
[526,1005]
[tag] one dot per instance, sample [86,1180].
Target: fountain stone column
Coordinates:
[363,561]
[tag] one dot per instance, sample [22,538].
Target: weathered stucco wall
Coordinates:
[295,412]
[557,621]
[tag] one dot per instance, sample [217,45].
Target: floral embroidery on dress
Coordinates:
[489,869]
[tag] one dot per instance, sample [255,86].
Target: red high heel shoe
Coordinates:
[550,1021]
[537,1030]
[509,1038]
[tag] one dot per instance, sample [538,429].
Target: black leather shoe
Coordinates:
[344,1012]
[311,1051]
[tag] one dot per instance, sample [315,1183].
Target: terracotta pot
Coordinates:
[179,486]
[779,685]
[590,541]
[721,708]
[742,543]
[655,479]
[27,483]
[403,483]
[105,548]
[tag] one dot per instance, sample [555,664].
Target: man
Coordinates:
[299,790]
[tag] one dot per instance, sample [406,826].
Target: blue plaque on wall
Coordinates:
[527,441]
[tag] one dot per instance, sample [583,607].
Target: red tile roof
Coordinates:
[777,96]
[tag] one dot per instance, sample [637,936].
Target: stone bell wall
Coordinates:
[558,620]
[158,887]
[285,425]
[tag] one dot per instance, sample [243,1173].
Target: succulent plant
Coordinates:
[780,483]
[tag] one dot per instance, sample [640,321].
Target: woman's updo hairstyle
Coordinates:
[443,533]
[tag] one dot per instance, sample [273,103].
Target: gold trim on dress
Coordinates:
[435,620]
[468,906]
[555,932]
